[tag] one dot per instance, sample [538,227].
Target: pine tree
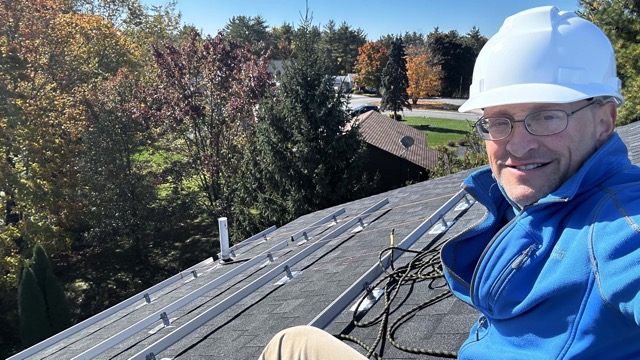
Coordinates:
[304,157]
[34,324]
[395,80]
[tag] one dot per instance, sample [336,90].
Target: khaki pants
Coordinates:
[308,343]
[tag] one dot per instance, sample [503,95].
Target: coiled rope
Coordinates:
[425,266]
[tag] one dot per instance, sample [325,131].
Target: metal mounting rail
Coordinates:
[106,313]
[158,315]
[250,240]
[211,313]
[313,226]
[351,294]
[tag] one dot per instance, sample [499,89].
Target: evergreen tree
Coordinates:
[456,56]
[305,157]
[40,264]
[251,32]
[620,20]
[413,40]
[395,80]
[48,304]
[34,324]
[57,306]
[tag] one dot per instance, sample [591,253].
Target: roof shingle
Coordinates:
[384,133]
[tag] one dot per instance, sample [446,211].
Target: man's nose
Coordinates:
[520,141]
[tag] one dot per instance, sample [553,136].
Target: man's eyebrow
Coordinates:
[543,107]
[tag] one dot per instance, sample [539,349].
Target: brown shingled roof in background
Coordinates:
[385,133]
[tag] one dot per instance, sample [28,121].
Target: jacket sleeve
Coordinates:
[614,246]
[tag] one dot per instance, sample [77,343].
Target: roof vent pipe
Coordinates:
[224,240]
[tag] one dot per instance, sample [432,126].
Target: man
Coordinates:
[553,268]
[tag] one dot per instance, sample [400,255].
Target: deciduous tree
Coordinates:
[121,191]
[51,57]
[206,97]
[372,58]
[424,76]
[66,53]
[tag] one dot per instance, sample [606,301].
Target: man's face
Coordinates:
[530,167]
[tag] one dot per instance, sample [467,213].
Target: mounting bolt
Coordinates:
[165,319]
[288,271]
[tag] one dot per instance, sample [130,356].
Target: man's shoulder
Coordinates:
[616,213]
[623,186]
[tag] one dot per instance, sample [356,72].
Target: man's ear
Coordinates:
[606,121]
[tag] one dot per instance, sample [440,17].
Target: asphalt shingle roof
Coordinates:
[245,310]
[384,133]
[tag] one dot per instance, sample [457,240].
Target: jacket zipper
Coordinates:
[518,262]
[483,320]
[524,256]
[483,255]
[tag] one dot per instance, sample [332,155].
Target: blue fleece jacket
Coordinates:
[561,280]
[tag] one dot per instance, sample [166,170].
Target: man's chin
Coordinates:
[523,195]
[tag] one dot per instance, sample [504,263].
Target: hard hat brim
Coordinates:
[535,93]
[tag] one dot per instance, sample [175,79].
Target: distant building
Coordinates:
[347,82]
[397,165]
[276,68]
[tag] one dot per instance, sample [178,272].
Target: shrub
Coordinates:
[43,307]
[34,325]
[397,117]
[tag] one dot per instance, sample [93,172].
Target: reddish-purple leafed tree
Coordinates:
[204,101]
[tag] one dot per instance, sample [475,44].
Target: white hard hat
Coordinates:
[544,55]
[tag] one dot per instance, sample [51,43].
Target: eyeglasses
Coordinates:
[541,123]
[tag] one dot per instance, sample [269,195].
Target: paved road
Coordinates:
[360,100]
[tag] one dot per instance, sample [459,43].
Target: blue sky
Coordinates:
[375,17]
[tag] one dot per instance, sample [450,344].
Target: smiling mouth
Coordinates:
[527,167]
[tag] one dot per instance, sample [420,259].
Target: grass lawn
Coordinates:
[439,131]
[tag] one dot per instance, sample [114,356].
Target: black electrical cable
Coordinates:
[425,266]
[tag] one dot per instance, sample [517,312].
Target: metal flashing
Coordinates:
[289,275]
[441,226]
[465,204]
[368,300]
[361,226]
